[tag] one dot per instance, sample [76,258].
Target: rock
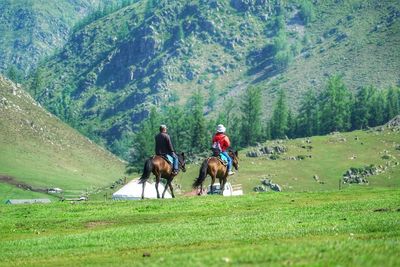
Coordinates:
[276,187]
[394,123]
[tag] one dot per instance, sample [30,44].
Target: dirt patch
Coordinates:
[12,181]
[95,224]
[381,210]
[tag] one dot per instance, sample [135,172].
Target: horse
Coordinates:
[216,169]
[161,169]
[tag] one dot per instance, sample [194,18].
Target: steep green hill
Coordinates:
[158,52]
[31,30]
[38,151]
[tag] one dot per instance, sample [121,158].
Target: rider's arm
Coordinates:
[171,148]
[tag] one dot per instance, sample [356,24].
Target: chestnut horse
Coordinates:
[161,169]
[214,167]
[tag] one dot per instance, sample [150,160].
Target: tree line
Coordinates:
[334,108]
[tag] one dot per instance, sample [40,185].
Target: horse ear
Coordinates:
[183,154]
[237,153]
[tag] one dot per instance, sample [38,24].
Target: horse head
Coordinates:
[235,158]
[182,163]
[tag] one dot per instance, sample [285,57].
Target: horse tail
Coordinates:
[148,167]
[202,174]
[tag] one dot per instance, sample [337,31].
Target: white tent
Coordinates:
[133,191]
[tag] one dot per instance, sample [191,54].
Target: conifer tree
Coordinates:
[37,82]
[143,145]
[197,122]
[279,120]
[308,115]
[377,109]
[361,108]
[251,116]
[291,124]
[392,103]
[335,102]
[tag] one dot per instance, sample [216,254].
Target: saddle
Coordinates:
[216,153]
[221,158]
[224,162]
[168,159]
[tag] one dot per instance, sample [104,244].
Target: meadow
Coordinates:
[357,226]
[329,158]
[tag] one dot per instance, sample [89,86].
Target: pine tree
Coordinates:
[198,132]
[392,103]
[307,11]
[279,120]
[361,108]
[377,109]
[144,143]
[335,113]
[37,82]
[14,74]
[251,116]
[178,127]
[308,119]
[291,124]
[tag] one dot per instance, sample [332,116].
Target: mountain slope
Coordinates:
[38,150]
[111,72]
[32,30]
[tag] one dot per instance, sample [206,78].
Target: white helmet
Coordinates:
[221,128]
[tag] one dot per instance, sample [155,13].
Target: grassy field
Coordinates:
[352,227]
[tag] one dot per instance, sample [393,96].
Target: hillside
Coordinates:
[32,30]
[111,72]
[328,157]
[348,228]
[38,151]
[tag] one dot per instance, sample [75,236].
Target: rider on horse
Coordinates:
[164,147]
[221,142]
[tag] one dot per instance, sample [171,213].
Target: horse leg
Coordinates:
[212,183]
[222,183]
[143,185]
[157,182]
[165,188]
[171,188]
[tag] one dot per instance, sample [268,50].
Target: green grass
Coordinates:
[339,228]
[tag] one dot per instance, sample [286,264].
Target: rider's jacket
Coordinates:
[222,140]
[163,144]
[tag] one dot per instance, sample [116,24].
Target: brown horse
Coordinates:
[214,167]
[161,169]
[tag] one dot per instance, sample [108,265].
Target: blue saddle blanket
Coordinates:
[170,158]
[223,157]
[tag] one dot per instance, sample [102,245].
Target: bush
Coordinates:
[307,11]
[301,157]
[274,156]
[282,59]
